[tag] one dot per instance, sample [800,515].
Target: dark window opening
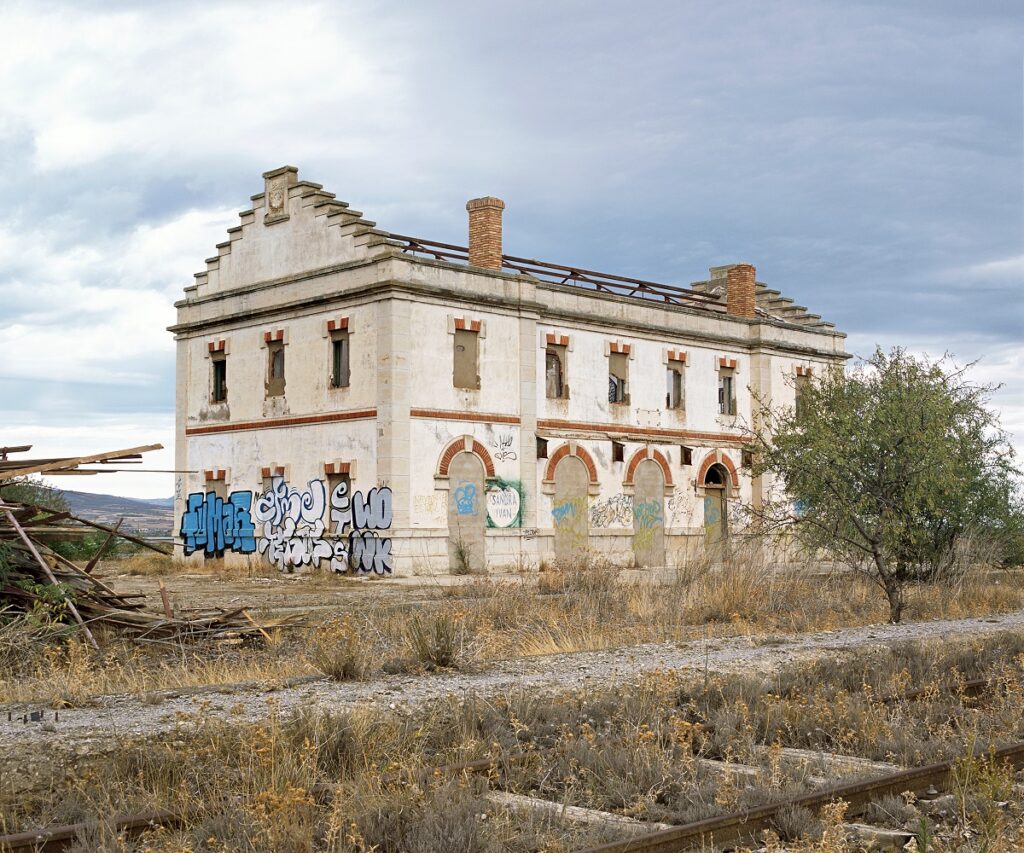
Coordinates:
[618,451]
[618,377]
[675,396]
[466,371]
[554,373]
[542,448]
[339,359]
[275,369]
[714,476]
[219,388]
[685,455]
[747,459]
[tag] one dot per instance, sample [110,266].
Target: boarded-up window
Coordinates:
[466,371]
[618,377]
[339,359]
[726,392]
[554,372]
[275,369]
[219,379]
[802,381]
[218,487]
[675,396]
[333,481]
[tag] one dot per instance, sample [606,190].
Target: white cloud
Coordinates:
[99,312]
[1002,269]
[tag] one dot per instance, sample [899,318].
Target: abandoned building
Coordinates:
[357,400]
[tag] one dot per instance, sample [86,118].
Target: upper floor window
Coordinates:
[618,377]
[803,380]
[675,395]
[726,391]
[554,372]
[219,377]
[340,348]
[466,367]
[275,369]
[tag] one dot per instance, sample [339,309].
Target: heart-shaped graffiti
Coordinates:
[503,506]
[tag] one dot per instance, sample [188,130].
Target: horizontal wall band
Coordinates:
[653,432]
[483,417]
[275,423]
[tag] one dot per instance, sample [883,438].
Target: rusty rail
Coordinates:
[743,826]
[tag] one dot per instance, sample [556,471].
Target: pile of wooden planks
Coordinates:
[34,576]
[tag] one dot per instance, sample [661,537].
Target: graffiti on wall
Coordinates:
[212,525]
[292,533]
[466,501]
[504,501]
[648,518]
[292,529]
[361,520]
[502,445]
[616,511]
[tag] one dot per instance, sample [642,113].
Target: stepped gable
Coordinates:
[320,231]
[770,304]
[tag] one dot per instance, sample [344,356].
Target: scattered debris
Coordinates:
[33,575]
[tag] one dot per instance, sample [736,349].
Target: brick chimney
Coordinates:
[740,288]
[485,232]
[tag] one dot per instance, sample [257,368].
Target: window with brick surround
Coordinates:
[275,369]
[675,395]
[466,364]
[218,377]
[555,385]
[333,481]
[618,377]
[340,349]
[726,391]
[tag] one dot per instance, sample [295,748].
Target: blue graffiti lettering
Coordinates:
[214,525]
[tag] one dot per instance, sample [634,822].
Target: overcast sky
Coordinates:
[865,156]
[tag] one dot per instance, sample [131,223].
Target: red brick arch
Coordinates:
[719,457]
[647,453]
[571,450]
[467,444]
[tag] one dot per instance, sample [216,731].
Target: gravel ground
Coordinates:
[118,715]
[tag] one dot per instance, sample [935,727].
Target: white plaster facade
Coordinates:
[301,260]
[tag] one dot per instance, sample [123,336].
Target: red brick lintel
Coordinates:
[483,417]
[653,432]
[275,423]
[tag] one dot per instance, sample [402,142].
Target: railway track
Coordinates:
[738,827]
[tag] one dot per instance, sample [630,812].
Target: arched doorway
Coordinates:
[569,511]
[467,514]
[716,509]
[648,514]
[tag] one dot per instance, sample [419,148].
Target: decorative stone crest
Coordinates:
[275,196]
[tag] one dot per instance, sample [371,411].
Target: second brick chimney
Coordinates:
[740,290]
[485,231]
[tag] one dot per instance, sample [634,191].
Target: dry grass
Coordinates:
[585,606]
[351,782]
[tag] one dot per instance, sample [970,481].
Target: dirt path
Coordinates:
[119,715]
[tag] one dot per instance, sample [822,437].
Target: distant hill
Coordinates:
[154,516]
